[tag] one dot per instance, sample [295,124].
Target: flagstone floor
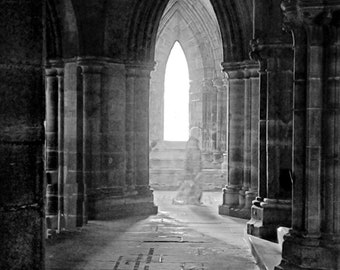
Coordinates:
[177,238]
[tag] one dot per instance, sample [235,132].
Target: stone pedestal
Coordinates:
[267,216]
[305,252]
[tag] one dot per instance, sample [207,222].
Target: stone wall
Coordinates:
[21,135]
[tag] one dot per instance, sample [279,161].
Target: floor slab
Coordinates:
[179,237]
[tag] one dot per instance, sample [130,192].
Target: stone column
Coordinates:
[246,196]
[235,131]
[254,127]
[314,239]
[130,131]
[262,135]
[220,114]
[73,192]
[92,139]
[247,139]
[274,52]
[224,165]
[141,128]
[54,146]
[196,110]
[207,125]
[21,135]
[51,151]
[60,75]
[275,145]
[137,128]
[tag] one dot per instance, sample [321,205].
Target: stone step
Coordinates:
[167,154]
[170,163]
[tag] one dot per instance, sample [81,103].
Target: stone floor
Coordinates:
[178,238]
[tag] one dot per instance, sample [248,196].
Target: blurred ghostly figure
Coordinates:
[190,192]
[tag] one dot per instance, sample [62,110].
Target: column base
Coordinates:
[266,218]
[250,197]
[302,253]
[242,198]
[231,196]
[243,213]
[113,207]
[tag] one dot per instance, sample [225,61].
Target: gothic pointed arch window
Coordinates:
[176,96]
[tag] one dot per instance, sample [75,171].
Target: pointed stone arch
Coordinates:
[233,18]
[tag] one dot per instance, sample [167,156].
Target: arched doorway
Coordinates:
[193,25]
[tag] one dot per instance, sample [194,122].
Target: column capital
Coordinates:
[234,70]
[261,51]
[58,65]
[218,84]
[92,64]
[139,69]
[207,85]
[311,12]
[50,72]
[252,69]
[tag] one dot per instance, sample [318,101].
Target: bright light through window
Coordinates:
[176,96]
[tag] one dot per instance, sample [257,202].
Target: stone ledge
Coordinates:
[113,208]
[267,254]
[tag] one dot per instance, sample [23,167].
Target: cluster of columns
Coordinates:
[314,239]
[97,137]
[208,111]
[296,134]
[241,83]
[259,140]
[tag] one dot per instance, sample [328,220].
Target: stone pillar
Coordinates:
[73,192]
[92,151]
[196,109]
[247,139]
[51,150]
[262,135]
[137,119]
[21,135]
[275,209]
[274,53]
[54,146]
[254,127]
[60,76]
[130,131]
[141,128]
[208,93]
[224,164]
[314,239]
[235,129]
[220,114]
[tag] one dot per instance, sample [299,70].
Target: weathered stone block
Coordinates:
[21,238]
[19,165]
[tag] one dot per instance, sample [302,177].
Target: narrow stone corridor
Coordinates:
[179,237]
